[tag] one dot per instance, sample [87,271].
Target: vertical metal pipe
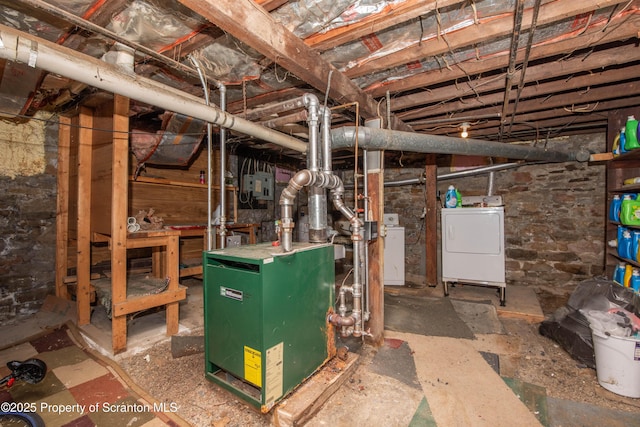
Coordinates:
[312,103]
[365,168]
[205,89]
[326,140]
[317,195]
[223,168]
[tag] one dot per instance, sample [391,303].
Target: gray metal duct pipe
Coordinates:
[453,175]
[25,48]
[383,139]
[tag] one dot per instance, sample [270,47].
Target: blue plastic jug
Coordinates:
[623,141]
[452,199]
[618,273]
[625,246]
[635,280]
[635,244]
[614,208]
[621,230]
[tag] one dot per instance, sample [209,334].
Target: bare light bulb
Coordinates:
[465,127]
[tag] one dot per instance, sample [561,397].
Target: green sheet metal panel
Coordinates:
[265,318]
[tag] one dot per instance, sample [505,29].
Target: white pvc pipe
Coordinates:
[39,53]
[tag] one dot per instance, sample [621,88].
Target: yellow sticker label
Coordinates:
[253,366]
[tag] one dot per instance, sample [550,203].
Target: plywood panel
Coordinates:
[176,205]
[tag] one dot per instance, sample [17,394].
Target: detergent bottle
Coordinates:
[452,198]
[631,134]
[621,230]
[623,141]
[615,148]
[614,208]
[635,279]
[630,210]
[628,272]
[618,273]
[635,244]
[624,246]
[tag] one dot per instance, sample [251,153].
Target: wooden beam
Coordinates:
[145,302]
[85,141]
[627,29]
[282,47]
[119,204]
[375,186]
[554,99]
[62,203]
[394,13]
[488,29]
[597,61]
[431,220]
[547,118]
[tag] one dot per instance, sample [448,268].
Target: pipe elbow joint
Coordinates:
[310,100]
[336,319]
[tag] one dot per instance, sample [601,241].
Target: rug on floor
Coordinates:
[424,316]
[81,387]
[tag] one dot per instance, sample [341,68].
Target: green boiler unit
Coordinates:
[265,312]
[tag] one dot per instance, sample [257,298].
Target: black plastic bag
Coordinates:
[570,328]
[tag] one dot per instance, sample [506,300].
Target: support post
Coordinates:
[120,174]
[431,220]
[375,190]
[85,149]
[62,202]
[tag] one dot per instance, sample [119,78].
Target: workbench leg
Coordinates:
[119,333]
[173,317]
[173,273]
[158,264]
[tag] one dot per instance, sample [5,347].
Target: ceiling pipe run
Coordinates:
[39,53]
[21,47]
[94,28]
[383,139]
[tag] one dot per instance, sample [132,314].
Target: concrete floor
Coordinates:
[423,383]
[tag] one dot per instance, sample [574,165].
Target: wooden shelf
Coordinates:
[164,181]
[629,155]
[614,254]
[619,169]
[630,188]
[624,225]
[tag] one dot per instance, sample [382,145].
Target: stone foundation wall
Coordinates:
[554,217]
[27,217]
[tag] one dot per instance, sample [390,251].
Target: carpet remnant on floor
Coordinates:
[424,316]
[395,359]
[480,316]
[81,388]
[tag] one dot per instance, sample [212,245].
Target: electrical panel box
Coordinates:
[265,313]
[259,184]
